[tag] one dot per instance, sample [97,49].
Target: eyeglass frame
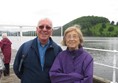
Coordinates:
[47,27]
[72,36]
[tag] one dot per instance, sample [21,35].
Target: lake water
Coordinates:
[108,43]
[103,57]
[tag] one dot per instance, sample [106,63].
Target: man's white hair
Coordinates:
[4,35]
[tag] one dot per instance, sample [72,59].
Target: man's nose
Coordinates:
[44,28]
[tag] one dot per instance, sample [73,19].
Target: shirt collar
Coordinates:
[39,43]
[75,52]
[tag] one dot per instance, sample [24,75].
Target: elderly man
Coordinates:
[40,55]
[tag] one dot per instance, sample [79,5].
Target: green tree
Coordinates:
[101,30]
[117,23]
[103,25]
[110,29]
[112,22]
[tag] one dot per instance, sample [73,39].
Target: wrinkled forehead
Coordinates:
[45,22]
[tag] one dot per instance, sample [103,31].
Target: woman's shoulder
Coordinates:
[87,54]
[62,53]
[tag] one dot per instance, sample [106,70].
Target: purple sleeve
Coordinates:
[88,71]
[57,75]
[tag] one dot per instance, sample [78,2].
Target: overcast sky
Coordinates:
[28,12]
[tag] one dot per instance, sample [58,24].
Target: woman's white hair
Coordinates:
[76,28]
[4,35]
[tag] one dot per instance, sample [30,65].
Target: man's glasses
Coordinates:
[44,26]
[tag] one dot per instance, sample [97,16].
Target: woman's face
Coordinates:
[72,40]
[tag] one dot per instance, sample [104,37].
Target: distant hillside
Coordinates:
[93,26]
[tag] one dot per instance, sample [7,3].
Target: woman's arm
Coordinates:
[57,75]
[88,71]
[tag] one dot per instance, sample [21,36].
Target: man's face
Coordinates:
[44,30]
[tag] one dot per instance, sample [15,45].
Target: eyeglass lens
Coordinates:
[47,27]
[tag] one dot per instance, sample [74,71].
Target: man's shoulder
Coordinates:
[55,45]
[29,41]
[26,44]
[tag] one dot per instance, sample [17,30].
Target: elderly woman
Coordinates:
[5,45]
[73,65]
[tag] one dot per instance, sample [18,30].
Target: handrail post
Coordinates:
[21,34]
[114,66]
[61,32]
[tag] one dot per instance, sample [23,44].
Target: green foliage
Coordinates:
[29,33]
[112,22]
[117,23]
[87,21]
[93,26]
[110,29]
[103,25]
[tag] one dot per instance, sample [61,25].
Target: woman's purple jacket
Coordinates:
[72,67]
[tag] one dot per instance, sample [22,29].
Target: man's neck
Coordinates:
[43,42]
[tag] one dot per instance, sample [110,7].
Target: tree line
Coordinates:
[93,26]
